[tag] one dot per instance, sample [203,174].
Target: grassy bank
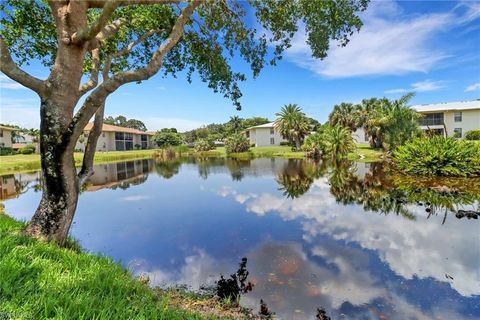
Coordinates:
[363,153]
[22,163]
[29,162]
[44,281]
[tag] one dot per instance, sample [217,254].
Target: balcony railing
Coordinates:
[430,122]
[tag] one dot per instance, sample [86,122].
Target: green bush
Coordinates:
[204,145]
[26,150]
[315,145]
[473,135]
[439,156]
[237,143]
[4,151]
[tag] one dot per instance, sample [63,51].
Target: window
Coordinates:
[431,119]
[103,134]
[272,140]
[1,133]
[457,133]
[129,136]
[457,116]
[366,137]
[272,131]
[247,134]
[120,145]
[119,136]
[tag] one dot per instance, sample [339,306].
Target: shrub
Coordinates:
[167,138]
[473,135]
[237,143]
[315,145]
[204,145]
[31,146]
[285,143]
[5,151]
[439,156]
[26,150]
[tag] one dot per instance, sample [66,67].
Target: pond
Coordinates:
[349,238]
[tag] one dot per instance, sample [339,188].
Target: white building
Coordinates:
[452,119]
[6,136]
[264,135]
[115,138]
[457,118]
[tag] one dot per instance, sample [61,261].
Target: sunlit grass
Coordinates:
[44,281]
[30,162]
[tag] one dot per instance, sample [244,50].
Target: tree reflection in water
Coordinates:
[297,176]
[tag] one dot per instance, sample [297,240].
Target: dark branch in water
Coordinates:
[236,285]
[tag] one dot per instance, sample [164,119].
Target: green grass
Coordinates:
[363,153]
[30,162]
[44,281]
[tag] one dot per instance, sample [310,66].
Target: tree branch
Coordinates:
[10,68]
[91,32]
[127,49]
[123,3]
[106,32]
[90,106]
[92,83]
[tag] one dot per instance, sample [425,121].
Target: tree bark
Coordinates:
[55,212]
[91,146]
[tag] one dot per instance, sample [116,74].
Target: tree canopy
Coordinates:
[122,121]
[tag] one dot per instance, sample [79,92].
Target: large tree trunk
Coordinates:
[55,212]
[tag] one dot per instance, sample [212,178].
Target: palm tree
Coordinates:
[292,124]
[235,123]
[345,114]
[340,142]
[388,123]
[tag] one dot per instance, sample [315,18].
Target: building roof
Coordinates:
[8,128]
[112,128]
[458,105]
[266,125]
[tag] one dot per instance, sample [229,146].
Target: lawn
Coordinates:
[42,280]
[29,162]
[363,153]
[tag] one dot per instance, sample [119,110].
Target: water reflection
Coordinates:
[311,232]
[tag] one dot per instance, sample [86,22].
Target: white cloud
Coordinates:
[386,44]
[421,86]
[428,85]
[23,112]
[473,87]
[411,248]
[393,91]
[157,123]
[134,198]
[7,83]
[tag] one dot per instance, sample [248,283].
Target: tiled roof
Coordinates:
[8,128]
[112,128]
[459,105]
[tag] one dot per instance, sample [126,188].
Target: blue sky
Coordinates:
[429,47]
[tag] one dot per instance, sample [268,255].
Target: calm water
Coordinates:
[347,239]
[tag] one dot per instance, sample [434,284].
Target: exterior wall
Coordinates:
[261,137]
[106,142]
[470,121]
[359,136]
[5,138]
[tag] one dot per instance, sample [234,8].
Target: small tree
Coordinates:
[167,138]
